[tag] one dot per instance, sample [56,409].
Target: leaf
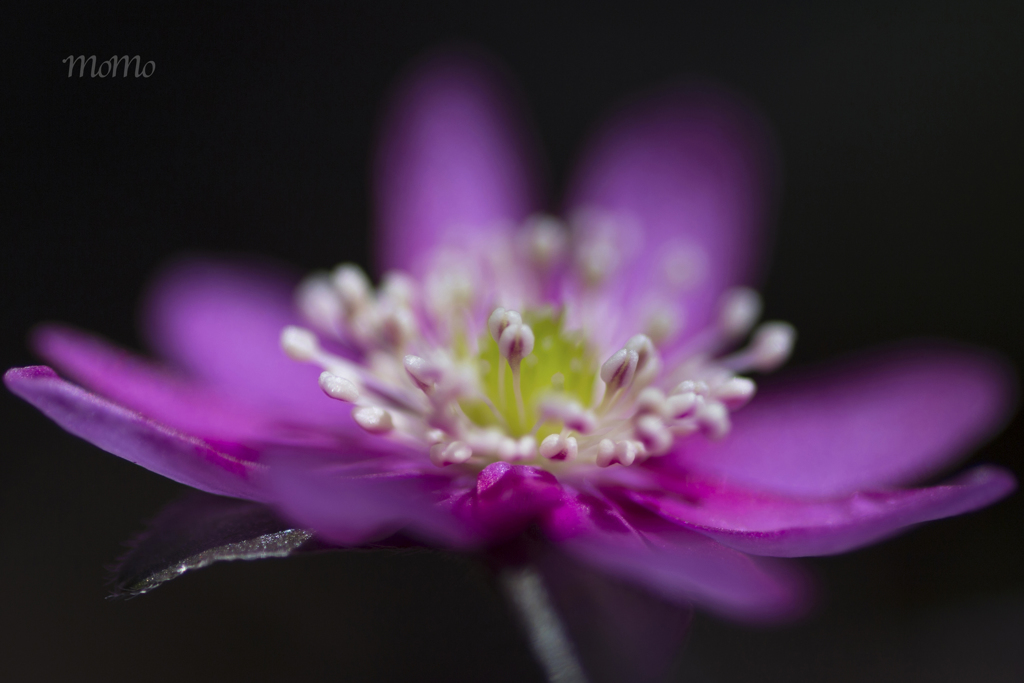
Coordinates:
[199,530]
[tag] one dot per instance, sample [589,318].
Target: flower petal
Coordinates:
[222,323]
[879,421]
[214,468]
[168,398]
[357,504]
[687,174]
[507,498]
[452,165]
[792,528]
[676,563]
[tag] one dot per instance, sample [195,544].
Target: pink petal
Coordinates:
[452,164]
[507,498]
[169,398]
[358,504]
[224,469]
[688,173]
[792,528]
[879,421]
[676,563]
[222,323]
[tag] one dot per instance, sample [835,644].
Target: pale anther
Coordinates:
[352,285]
[627,452]
[651,400]
[373,419]
[558,447]
[338,387]
[644,348]
[735,392]
[516,343]
[740,309]
[653,434]
[319,303]
[771,346]
[546,240]
[680,405]
[501,319]
[714,417]
[605,453]
[618,371]
[299,343]
[453,453]
[423,373]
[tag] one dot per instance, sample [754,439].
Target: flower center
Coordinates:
[522,387]
[561,367]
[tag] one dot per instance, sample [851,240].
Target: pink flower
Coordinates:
[515,371]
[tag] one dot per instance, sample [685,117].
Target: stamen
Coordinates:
[373,419]
[338,387]
[618,371]
[653,434]
[319,303]
[546,240]
[501,319]
[352,285]
[515,343]
[573,415]
[714,417]
[740,309]
[735,392]
[559,447]
[300,344]
[454,453]
[680,405]
[425,375]
[771,347]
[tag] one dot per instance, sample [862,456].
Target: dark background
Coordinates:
[902,213]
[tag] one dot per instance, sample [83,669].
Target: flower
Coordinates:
[516,371]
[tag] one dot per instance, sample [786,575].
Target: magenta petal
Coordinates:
[452,163]
[676,563]
[127,434]
[507,498]
[880,421]
[794,528]
[354,505]
[688,173]
[170,399]
[222,323]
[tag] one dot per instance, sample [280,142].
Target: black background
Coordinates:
[902,214]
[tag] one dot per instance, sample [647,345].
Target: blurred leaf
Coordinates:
[201,529]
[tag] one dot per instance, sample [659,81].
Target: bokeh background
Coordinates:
[901,216]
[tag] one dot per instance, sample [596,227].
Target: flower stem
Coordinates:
[548,636]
